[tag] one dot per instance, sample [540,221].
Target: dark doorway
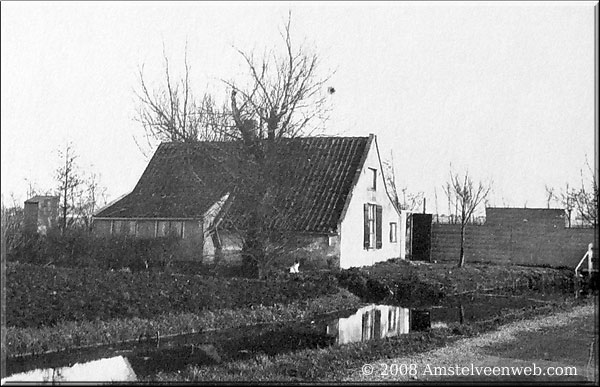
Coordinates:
[420,320]
[420,237]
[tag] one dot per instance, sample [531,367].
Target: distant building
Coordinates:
[40,214]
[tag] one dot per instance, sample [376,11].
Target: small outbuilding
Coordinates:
[40,214]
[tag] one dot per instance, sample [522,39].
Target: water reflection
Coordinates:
[142,360]
[128,362]
[117,369]
[370,322]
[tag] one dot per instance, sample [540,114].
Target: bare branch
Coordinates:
[467,197]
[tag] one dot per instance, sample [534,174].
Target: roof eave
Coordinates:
[361,165]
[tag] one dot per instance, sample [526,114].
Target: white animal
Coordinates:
[294,268]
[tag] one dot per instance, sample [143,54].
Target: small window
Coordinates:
[163,229]
[373,177]
[176,229]
[132,228]
[393,232]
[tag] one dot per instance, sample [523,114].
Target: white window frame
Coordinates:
[372,225]
[393,232]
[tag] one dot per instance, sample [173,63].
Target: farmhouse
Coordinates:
[332,198]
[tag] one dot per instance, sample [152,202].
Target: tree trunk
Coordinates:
[461,261]
[262,271]
[253,252]
[64,219]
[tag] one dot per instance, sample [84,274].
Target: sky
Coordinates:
[503,90]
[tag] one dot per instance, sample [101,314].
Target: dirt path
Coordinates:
[564,343]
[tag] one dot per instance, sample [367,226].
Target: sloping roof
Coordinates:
[39,198]
[182,180]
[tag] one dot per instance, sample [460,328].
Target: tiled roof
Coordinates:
[184,180]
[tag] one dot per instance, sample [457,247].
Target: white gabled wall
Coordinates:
[352,252]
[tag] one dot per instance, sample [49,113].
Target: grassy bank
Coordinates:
[50,308]
[421,282]
[75,334]
[55,308]
[333,363]
[39,296]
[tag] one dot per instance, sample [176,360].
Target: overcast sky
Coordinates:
[503,90]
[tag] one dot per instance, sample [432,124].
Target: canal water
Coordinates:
[133,361]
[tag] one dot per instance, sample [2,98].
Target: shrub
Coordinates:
[354,280]
[81,249]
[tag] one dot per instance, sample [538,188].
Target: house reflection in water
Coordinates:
[115,369]
[377,322]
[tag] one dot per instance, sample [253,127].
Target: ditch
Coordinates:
[395,317]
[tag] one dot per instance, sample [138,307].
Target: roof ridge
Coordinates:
[179,143]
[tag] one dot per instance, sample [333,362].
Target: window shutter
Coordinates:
[366,227]
[378,226]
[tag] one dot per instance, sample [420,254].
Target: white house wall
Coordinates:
[402,234]
[391,320]
[352,252]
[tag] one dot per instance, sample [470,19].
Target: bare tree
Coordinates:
[69,181]
[580,202]
[282,96]
[81,193]
[33,189]
[12,222]
[467,196]
[171,112]
[551,195]
[412,201]
[450,195]
[585,199]
[409,201]
[389,175]
[90,196]
[566,199]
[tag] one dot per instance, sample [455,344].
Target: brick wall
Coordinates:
[514,236]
